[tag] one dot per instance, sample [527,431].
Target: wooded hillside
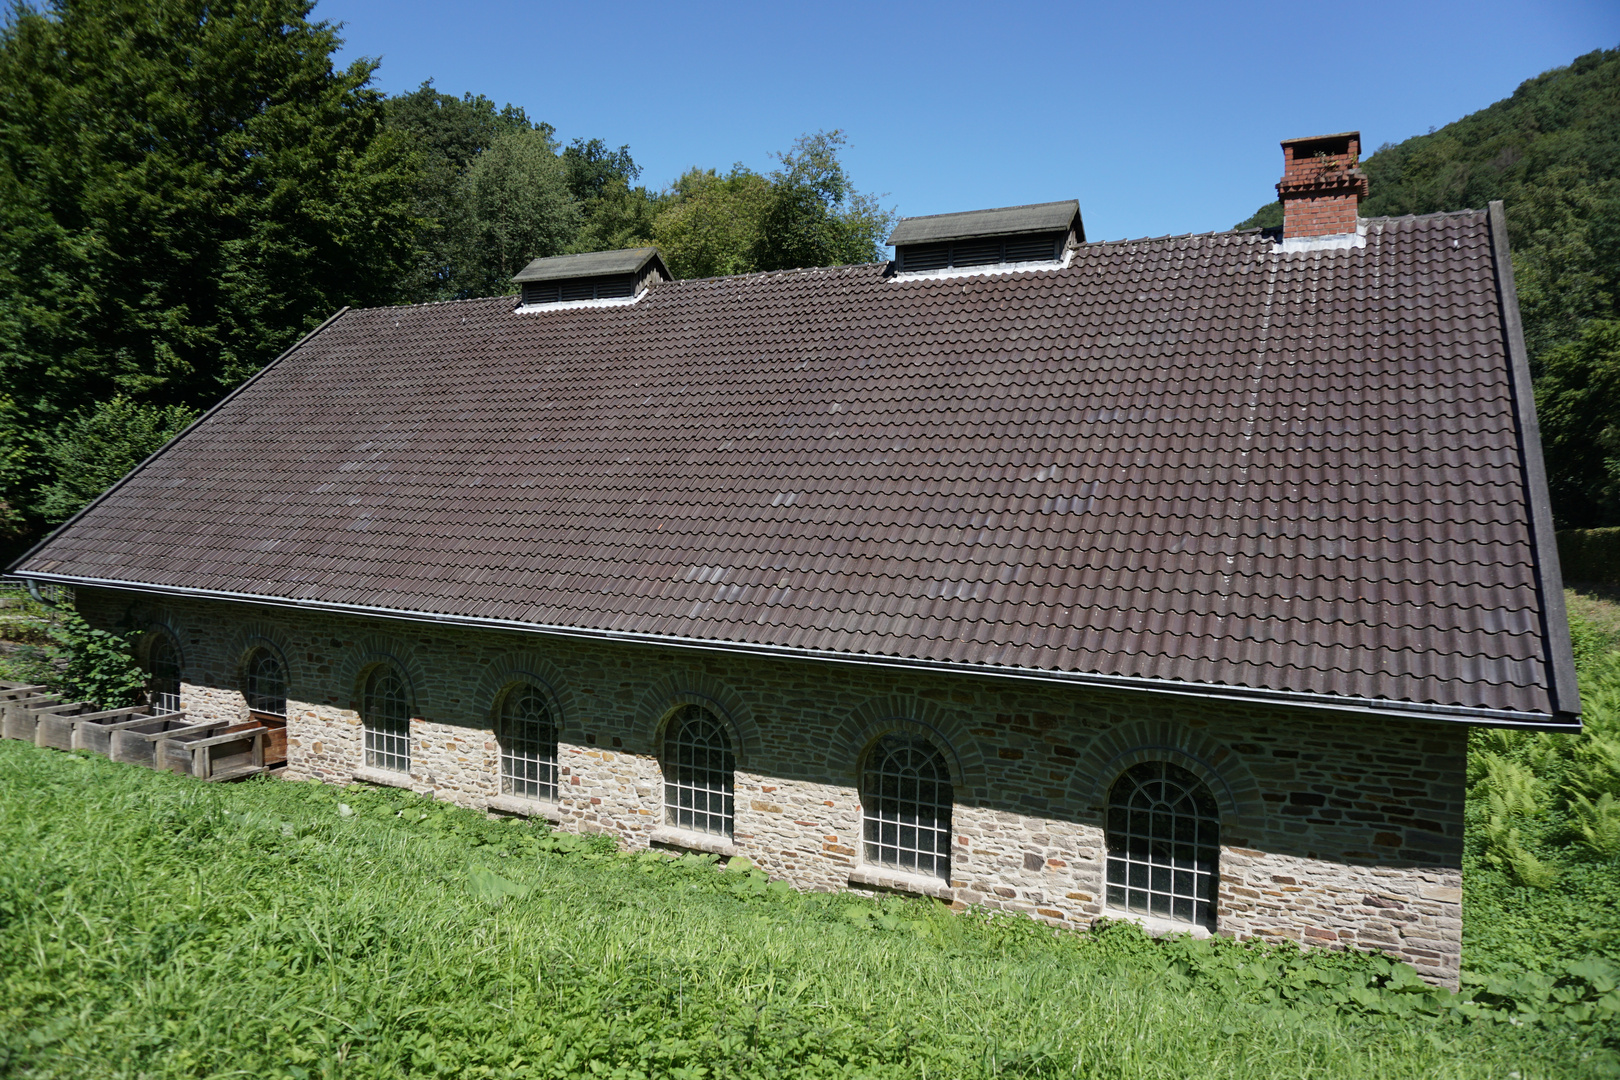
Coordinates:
[1551,152]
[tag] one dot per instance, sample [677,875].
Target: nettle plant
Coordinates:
[101,666]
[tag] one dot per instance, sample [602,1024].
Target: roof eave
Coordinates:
[1408,710]
[174,441]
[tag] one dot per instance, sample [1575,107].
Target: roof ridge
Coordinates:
[440,303]
[1169,236]
[987,209]
[772,273]
[1429,216]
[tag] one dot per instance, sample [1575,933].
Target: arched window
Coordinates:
[698,771]
[1163,844]
[163,673]
[385,710]
[528,741]
[906,799]
[266,683]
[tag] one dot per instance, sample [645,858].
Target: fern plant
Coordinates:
[1599,824]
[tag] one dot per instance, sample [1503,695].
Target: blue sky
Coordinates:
[1159,118]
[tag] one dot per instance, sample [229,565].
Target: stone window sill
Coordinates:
[1155,926]
[383,777]
[688,840]
[882,877]
[512,804]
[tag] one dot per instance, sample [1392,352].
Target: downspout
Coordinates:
[39,597]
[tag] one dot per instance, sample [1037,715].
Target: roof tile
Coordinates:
[1195,458]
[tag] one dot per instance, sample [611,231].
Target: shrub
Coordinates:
[100,666]
[91,452]
[1590,555]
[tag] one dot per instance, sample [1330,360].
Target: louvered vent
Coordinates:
[600,288]
[989,251]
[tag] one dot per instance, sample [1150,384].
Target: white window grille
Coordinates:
[528,741]
[906,807]
[385,711]
[1163,844]
[266,683]
[163,673]
[698,773]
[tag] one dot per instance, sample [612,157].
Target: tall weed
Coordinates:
[150,926]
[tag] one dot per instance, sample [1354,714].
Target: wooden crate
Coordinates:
[22,714]
[53,725]
[229,755]
[60,731]
[9,690]
[137,744]
[96,735]
[13,692]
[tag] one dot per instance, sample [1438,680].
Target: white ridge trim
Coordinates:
[572,305]
[985,271]
[1336,242]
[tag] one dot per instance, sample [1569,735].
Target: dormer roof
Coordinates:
[1005,221]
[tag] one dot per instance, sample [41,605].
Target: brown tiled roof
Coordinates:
[1194,460]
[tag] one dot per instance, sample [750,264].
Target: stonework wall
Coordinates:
[1337,829]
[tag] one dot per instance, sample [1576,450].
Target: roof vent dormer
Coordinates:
[988,239]
[594,277]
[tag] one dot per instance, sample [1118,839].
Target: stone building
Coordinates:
[1155,579]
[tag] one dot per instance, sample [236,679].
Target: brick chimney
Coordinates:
[1321,187]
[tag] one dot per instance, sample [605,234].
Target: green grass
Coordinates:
[151,926]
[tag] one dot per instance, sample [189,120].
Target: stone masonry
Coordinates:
[1337,829]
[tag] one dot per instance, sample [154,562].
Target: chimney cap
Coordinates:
[1003,221]
[590,264]
[1346,135]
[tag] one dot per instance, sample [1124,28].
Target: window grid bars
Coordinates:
[266,684]
[528,741]
[698,773]
[387,715]
[1163,844]
[907,808]
[163,664]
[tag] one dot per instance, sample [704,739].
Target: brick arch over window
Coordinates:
[665,699]
[148,631]
[151,634]
[947,730]
[251,635]
[528,667]
[373,650]
[1221,769]
[144,617]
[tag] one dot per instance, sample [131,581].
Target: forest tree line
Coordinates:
[186,188]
